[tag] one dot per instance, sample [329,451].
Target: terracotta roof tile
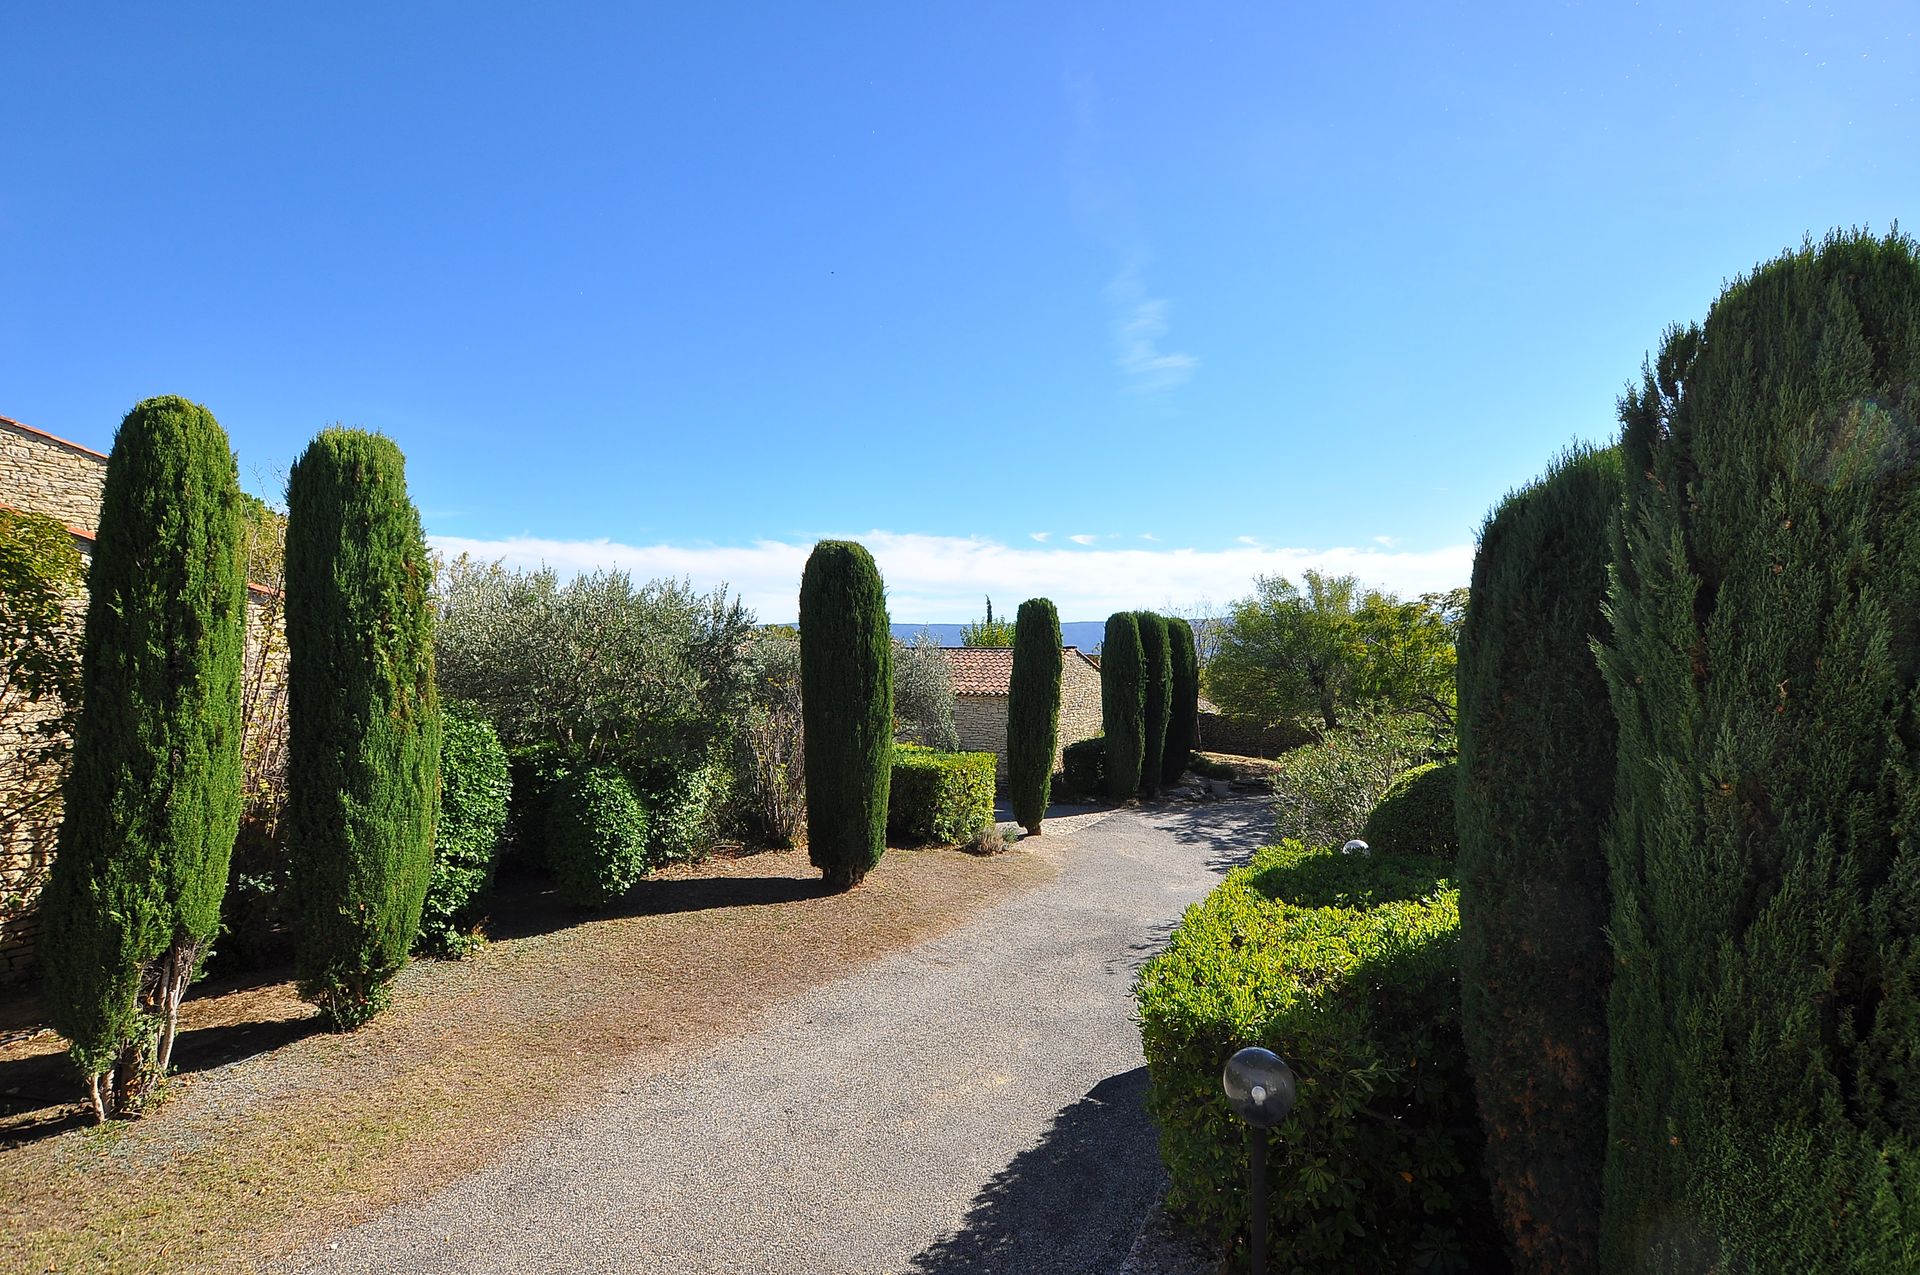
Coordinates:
[988,670]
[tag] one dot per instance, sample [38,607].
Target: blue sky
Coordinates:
[1192,292]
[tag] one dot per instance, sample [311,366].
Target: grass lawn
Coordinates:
[275,1135]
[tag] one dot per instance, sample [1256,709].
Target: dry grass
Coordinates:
[308,1133]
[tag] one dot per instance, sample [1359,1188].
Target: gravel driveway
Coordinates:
[971,1104]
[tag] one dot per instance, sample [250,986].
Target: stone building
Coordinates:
[44,474]
[981,676]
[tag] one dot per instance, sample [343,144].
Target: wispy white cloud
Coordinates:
[1388,541]
[1041,536]
[942,578]
[1139,326]
[1148,535]
[1248,541]
[1083,539]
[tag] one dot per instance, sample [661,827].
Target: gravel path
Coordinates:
[968,1105]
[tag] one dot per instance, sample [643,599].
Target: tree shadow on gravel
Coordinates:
[1072,1204]
[1231,830]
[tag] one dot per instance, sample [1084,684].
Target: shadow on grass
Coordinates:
[1071,1204]
[533,907]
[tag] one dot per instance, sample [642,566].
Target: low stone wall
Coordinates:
[1236,735]
[49,475]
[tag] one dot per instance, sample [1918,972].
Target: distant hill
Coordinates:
[1085,634]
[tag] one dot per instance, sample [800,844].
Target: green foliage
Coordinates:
[596,836]
[1156,661]
[1184,710]
[1537,745]
[1324,791]
[1123,703]
[772,736]
[846,674]
[1083,767]
[685,799]
[1345,966]
[474,788]
[604,669]
[1033,710]
[364,720]
[923,694]
[153,802]
[41,576]
[1415,814]
[987,632]
[1765,674]
[939,798]
[1288,653]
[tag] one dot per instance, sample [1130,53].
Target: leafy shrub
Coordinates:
[1415,813]
[1156,662]
[533,772]
[364,721]
[1764,668]
[939,798]
[1324,791]
[1083,768]
[474,787]
[683,800]
[772,737]
[923,693]
[846,674]
[992,839]
[596,836]
[1537,754]
[1345,966]
[1033,710]
[153,799]
[1123,703]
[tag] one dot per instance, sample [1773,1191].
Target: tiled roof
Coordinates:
[988,670]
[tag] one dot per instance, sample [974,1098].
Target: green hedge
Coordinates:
[1083,768]
[474,788]
[596,836]
[1415,814]
[1345,966]
[938,798]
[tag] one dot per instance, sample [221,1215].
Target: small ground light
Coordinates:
[1356,846]
[1260,1090]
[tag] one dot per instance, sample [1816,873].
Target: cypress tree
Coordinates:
[153,798]
[1157,696]
[1033,710]
[846,703]
[363,721]
[1536,763]
[1765,674]
[1123,703]
[1183,721]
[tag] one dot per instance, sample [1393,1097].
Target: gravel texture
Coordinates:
[972,1104]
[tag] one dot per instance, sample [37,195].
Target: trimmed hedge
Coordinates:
[1764,1109]
[596,836]
[1033,710]
[939,798]
[1346,967]
[1156,663]
[1123,703]
[1537,754]
[1415,813]
[1183,722]
[474,790]
[684,798]
[1083,767]
[846,705]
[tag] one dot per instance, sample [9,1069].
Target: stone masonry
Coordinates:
[981,676]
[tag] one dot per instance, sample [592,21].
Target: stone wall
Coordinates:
[1079,702]
[49,475]
[981,720]
[981,723]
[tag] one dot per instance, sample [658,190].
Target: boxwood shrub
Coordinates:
[1345,966]
[474,786]
[1084,768]
[1415,814]
[596,836]
[938,798]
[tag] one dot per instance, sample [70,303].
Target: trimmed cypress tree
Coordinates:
[846,704]
[1765,674]
[1183,719]
[1123,703]
[153,799]
[1157,697]
[1033,710]
[1536,764]
[363,721]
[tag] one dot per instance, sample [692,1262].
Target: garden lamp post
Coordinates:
[1259,1087]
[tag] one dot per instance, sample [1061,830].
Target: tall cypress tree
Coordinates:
[363,721]
[153,799]
[1183,721]
[1033,710]
[846,705]
[1123,703]
[1537,745]
[1157,698]
[1765,674]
